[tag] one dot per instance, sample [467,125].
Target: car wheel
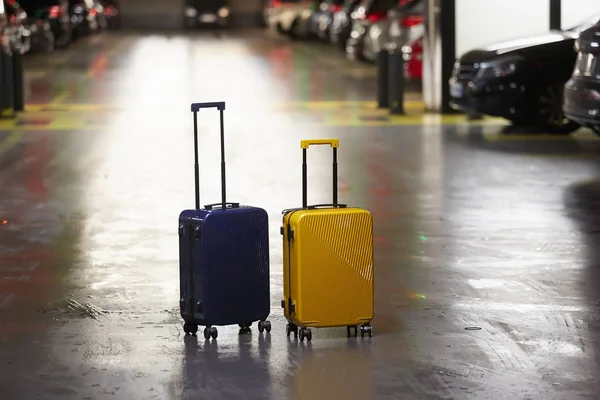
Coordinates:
[49,41]
[294,29]
[551,113]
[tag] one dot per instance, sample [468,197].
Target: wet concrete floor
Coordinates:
[487,245]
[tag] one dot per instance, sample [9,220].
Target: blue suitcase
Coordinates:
[223,258]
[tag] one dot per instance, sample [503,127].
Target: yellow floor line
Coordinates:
[563,155]
[60,97]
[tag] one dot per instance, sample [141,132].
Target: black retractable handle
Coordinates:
[196,107]
[305,144]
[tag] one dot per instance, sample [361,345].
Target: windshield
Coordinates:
[584,25]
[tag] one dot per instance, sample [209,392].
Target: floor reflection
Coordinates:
[227,370]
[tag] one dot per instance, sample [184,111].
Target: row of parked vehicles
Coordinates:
[361,28]
[549,82]
[44,25]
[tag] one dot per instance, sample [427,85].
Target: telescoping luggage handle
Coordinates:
[220,105]
[305,144]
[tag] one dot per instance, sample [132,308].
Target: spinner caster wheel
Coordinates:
[352,331]
[264,326]
[291,328]
[245,328]
[366,330]
[210,332]
[190,328]
[305,333]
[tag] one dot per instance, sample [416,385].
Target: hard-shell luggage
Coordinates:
[328,262]
[223,258]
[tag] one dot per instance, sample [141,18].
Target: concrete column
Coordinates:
[439,54]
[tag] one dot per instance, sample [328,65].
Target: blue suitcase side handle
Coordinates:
[220,105]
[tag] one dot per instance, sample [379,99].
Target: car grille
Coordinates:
[464,71]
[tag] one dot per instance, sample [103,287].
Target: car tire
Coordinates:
[293,34]
[551,115]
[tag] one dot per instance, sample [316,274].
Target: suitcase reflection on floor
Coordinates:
[216,371]
[334,374]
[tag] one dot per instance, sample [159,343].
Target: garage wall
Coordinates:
[576,11]
[168,14]
[152,14]
[483,22]
[246,13]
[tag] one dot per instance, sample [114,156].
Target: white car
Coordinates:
[282,14]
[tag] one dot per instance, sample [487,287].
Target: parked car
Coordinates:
[52,14]
[521,80]
[413,60]
[582,91]
[305,19]
[324,17]
[283,18]
[111,13]
[18,23]
[341,24]
[403,25]
[84,17]
[367,14]
[213,13]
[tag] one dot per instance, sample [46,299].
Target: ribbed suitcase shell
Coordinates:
[328,267]
[225,253]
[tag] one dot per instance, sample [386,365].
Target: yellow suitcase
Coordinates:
[327,262]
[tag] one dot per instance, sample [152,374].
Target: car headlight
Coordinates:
[498,68]
[586,65]
[223,12]
[191,12]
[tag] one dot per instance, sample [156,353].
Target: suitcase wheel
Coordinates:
[289,328]
[366,330]
[190,328]
[210,331]
[305,333]
[245,328]
[264,326]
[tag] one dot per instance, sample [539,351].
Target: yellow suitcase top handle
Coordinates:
[305,144]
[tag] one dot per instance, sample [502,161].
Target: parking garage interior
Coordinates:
[485,204]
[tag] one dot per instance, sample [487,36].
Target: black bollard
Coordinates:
[19,85]
[382,79]
[6,84]
[396,82]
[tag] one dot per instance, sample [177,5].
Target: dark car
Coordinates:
[341,24]
[521,80]
[213,13]
[85,18]
[582,91]
[52,14]
[111,13]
